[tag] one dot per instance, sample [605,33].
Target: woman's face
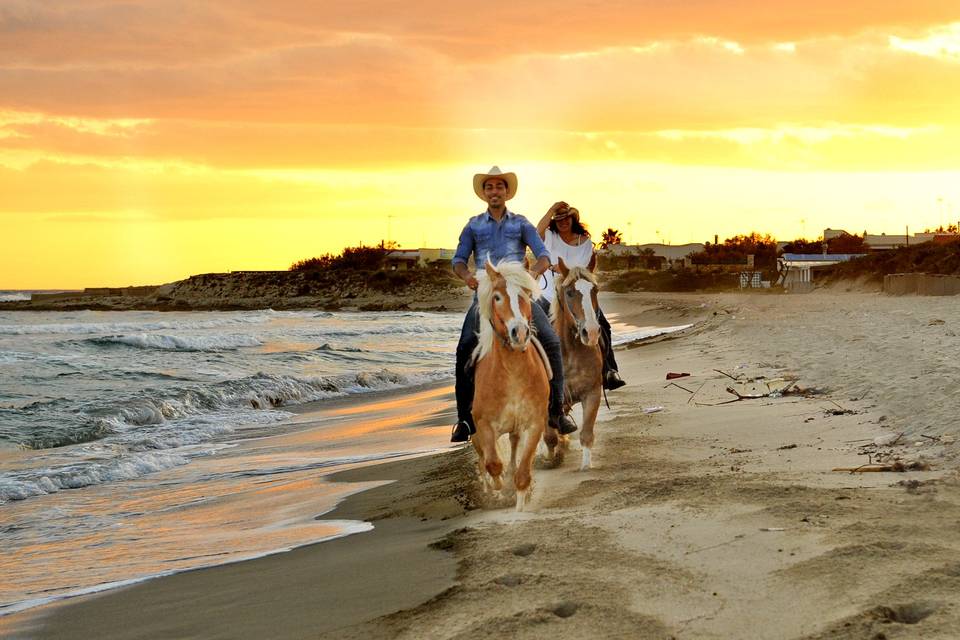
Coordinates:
[565,224]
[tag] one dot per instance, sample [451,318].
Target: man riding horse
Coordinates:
[494,235]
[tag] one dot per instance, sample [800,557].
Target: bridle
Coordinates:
[577,324]
[504,340]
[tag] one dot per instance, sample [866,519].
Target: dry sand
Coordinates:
[703,520]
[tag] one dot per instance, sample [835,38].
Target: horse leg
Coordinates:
[551,438]
[591,405]
[481,463]
[523,477]
[514,440]
[485,440]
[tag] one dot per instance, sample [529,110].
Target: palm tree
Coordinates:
[609,237]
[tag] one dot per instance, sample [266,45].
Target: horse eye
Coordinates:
[497,297]
[569,294]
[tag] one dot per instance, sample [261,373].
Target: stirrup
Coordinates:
[462,431]
[612,380]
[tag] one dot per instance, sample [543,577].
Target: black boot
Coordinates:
[612,380]
[563,423]
[462,431]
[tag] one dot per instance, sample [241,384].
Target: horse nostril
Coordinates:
[513,334]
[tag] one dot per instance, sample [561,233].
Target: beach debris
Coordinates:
[841,412]
[673,375]
[787,446]
[772,390]
[565,609]
[935,321]
[887,440]
[655,409]
[678,386]
[899,467]
[524,550]
[917,486]
[773,528]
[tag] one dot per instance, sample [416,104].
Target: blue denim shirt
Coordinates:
[505,240]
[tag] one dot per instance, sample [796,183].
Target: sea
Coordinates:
[138,444]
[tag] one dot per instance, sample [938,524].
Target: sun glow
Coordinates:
[135,148]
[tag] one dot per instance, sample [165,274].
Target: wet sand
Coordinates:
[706,519]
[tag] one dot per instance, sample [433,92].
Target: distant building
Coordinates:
[437,258]
[648,256]
[797,269]
[400,259]
[884,242]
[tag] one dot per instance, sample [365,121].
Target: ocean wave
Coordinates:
[21,485]
[14,297]
[645,333]
[108,328]
[175,418]
[178,343]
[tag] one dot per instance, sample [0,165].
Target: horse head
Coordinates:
[577,299]
[505,298]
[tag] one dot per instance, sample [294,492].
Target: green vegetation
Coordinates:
[353,258]
[844,243]
[929,257]
[735,251]
[682,280]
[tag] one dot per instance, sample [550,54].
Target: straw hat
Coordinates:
[566,213]
[494,172]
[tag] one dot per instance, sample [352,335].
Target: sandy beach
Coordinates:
[704,516]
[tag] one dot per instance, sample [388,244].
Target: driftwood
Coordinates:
[898,467]
[755,396]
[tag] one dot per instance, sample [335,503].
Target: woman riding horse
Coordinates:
[566,237]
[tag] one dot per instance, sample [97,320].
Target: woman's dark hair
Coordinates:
[576,226]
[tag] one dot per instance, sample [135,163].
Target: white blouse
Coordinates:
[574,255]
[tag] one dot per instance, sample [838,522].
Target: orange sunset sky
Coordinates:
[141,142]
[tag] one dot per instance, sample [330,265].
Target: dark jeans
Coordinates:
[469,340]
[609,360]
[606,338]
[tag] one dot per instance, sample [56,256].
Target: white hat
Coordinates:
[509,178]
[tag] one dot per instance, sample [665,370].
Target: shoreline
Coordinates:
[705,519]
[364,506]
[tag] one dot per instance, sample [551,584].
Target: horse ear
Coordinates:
[563,267]
[491,272]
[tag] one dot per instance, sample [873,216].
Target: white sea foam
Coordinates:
[644,333]
[181,343]
[34,482]
[107,328]
[7,296]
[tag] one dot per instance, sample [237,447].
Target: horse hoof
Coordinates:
[521,500]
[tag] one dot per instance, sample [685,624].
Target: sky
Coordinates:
[142,142]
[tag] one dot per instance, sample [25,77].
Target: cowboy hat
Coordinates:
[509,178]
[566,213]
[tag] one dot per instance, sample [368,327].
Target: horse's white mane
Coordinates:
[513,273]
[575,273]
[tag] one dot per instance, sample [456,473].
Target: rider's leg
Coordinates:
[551,344]
[611,375]
[465,374]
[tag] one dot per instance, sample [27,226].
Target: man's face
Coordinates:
[495,191]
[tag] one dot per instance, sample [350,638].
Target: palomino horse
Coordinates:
[512,377]
[574,318]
